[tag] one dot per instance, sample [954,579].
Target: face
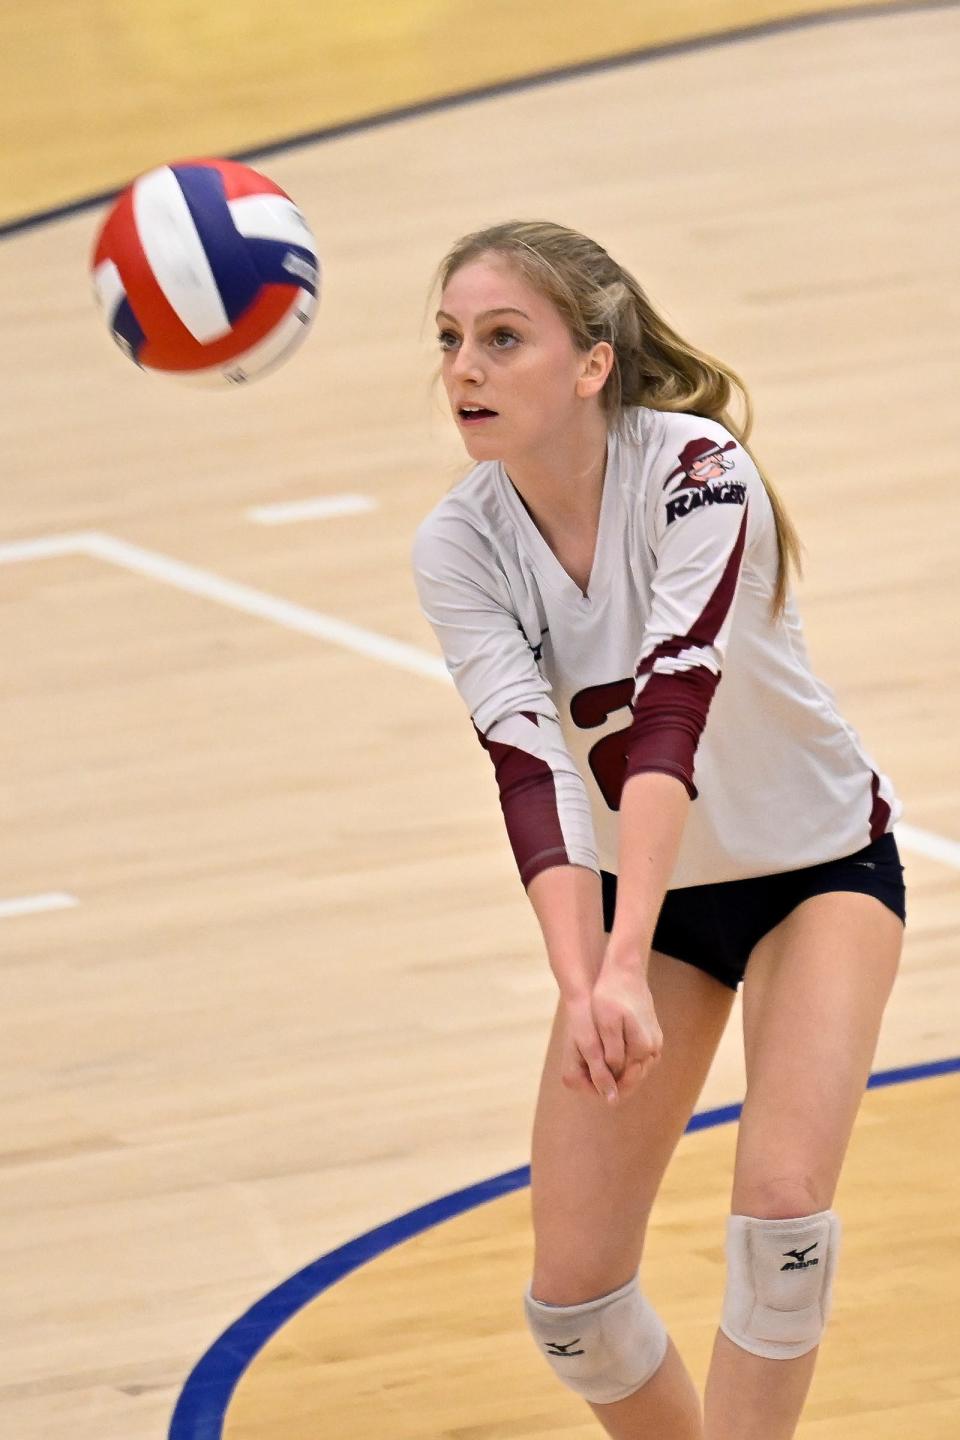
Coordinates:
[512,374]
[711,467]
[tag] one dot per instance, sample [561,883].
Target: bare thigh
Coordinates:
[813,1000]
[597,1169]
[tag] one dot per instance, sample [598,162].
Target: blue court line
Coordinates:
[642,56]
[202,1406]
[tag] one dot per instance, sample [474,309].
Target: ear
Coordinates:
[595,368]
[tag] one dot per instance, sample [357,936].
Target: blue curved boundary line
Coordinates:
[202,1406]
[578,70]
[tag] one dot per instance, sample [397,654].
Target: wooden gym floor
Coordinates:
[293,990]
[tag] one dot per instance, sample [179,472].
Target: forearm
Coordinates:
[653,809]
[568,904]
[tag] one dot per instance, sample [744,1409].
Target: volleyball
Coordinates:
[206,270]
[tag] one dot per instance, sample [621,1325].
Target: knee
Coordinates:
[603,1349]
[574,1280]
[781,1197]
[779,1282]
[571,1268]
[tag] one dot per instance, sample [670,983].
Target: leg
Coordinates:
[814,995]
[596,1171]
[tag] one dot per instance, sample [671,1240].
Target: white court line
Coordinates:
[925,842]
[322,627]
[266,607]
[48,548]
[194,581]
[36,904]
[325,507]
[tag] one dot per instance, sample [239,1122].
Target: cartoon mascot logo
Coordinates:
[701,461]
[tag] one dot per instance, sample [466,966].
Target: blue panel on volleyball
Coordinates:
[280,263]
[126,330]
[234,271]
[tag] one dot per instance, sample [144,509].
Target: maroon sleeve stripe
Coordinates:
[528,799]
[668,720]
[709,622]
[671,710]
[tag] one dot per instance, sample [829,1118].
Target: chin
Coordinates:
[481,447]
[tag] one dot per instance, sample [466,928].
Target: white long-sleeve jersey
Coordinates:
[571,693]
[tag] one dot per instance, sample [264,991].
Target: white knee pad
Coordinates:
[779,1281]
[604,1349]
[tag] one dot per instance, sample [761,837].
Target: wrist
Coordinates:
[628,955]
[575,980]
[573,1000]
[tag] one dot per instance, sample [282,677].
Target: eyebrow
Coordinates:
[485,315]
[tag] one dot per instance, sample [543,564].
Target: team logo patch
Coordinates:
[701,464]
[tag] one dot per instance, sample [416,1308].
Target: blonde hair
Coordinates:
[653,366]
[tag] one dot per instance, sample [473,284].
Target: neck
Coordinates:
[562,484]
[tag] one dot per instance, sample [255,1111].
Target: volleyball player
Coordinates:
[688,810]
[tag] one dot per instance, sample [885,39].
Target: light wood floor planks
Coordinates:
[302,991]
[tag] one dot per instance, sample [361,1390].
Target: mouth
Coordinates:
[474,414]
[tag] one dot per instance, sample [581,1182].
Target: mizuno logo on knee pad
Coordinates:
[800,1261]
[554,1347]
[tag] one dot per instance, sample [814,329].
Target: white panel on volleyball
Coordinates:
[283,339]
[176,255]
[274,217]
[108,288]
[271,217]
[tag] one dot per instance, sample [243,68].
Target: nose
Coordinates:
[465,364]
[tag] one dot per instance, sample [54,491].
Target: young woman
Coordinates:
[687,809]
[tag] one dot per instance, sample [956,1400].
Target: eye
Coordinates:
[504,339]
[446,339]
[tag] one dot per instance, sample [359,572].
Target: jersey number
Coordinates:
[608,758]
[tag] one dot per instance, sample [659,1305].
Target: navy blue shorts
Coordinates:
[715,927]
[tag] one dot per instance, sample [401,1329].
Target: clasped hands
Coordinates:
[612,1038]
